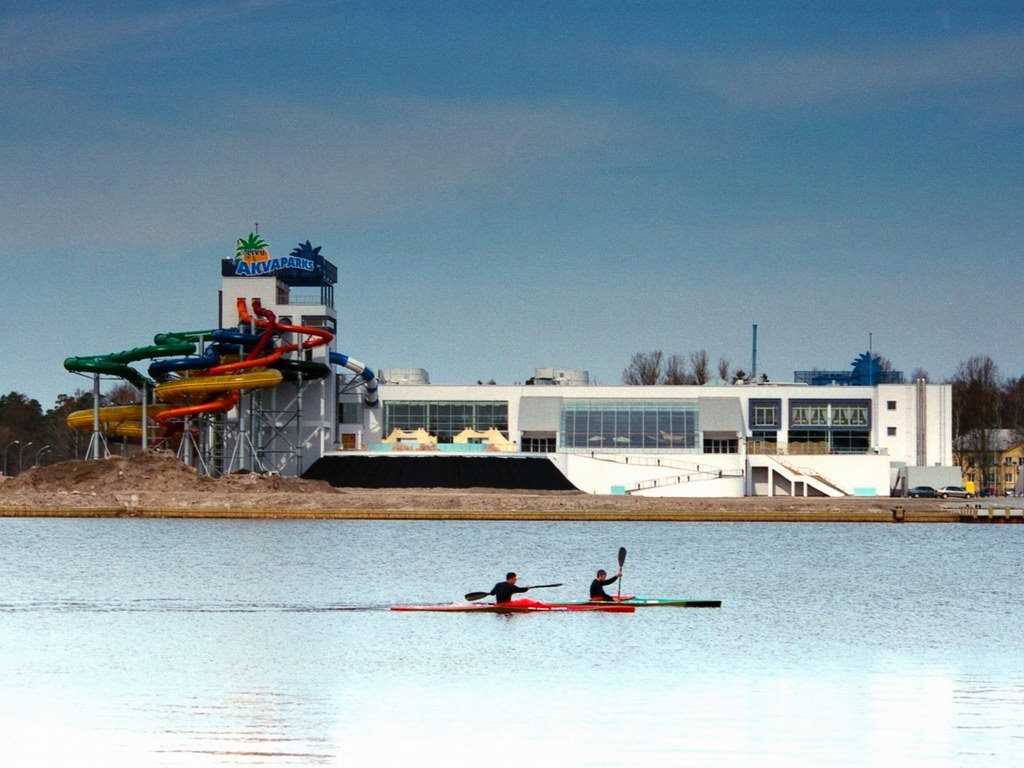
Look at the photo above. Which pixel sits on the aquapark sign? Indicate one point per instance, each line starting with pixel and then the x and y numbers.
pixel 253 259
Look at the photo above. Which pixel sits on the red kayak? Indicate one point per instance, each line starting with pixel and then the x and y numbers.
pixel 518 606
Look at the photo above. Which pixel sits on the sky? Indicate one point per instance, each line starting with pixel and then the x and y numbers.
pixel 505 186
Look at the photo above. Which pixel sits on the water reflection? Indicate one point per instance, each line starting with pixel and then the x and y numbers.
pixel 248 728
pixel 216 643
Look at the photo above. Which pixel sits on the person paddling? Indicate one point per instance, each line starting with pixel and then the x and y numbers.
pixel 504 590
pixel 597 585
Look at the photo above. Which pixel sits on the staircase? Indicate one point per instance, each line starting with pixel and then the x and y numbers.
pixel 813 483
pixel 688 471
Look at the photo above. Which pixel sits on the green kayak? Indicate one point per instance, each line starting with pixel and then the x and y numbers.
pixel 666 602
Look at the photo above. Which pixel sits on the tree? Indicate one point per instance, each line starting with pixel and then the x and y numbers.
pixel 723 368
pixel 675 370
pixel 123 394
pixel 21 421
pixel 977 401
pixel 919 373
pixel 1013 407
pixel 65 442
pixel 644 368
pixel 700 365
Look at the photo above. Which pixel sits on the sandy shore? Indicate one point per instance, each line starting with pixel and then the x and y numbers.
pixel 155 485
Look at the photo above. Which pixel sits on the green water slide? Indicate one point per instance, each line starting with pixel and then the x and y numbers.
pixel 117 363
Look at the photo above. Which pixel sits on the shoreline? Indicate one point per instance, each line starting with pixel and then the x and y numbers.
pixel 711 510
pixel 159 486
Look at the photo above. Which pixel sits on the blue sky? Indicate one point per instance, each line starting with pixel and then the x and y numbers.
pixel 506 186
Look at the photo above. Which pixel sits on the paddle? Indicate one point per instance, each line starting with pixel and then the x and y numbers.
pixel 622 560
pixel 478 595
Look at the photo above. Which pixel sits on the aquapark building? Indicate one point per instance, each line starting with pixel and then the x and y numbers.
pixel 267 390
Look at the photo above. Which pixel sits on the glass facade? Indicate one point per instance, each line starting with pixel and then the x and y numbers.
pixel 634 424
pixel 834 426
pixel 445 419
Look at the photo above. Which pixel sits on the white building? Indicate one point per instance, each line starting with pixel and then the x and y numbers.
pixel 744 439
pixel 329 414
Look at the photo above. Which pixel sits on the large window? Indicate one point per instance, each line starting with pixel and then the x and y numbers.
pixel 538 444
pixel 636 424
pixel 829 426
pixel 764 414
pixel 445 419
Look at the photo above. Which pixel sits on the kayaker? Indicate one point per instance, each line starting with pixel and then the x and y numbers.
pixel 504 590
pixel 597 585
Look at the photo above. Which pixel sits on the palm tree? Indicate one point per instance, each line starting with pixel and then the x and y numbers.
pixel 250 246
pixel 306 251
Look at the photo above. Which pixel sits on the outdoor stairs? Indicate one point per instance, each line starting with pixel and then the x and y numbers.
pixel 688 471
pixel 812 480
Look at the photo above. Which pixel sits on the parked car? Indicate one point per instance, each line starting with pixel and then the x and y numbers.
pixel 955 491
pixel 923 492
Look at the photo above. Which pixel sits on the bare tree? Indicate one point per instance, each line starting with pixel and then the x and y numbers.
pixel 1013 407
pixel 644 368
pixel 977 400
pixel 723 368
pixel 919 373
pixel 700 366
pixel 675 370
pixel 124 394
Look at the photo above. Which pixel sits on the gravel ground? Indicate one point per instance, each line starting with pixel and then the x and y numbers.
pixel 156 484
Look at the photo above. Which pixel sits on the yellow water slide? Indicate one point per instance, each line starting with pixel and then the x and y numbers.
pixel 126 420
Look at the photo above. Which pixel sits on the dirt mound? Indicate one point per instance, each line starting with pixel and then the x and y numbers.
pixel 151 472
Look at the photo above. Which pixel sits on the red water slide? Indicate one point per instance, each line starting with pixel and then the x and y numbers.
pixel 226 374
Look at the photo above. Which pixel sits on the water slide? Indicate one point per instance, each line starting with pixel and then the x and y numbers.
pixel 124 420
pixel 212 390
pixel 366 374
pixel 218 387
pixel 186 383
pixel 320 336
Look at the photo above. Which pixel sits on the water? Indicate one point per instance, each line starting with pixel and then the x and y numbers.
pixel 209 643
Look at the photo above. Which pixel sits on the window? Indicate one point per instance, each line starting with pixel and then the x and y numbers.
pixel 1008 477
pixel 891 431
pixel 721 445
pixel 764 413
pixel 445 419
pixel 350 413
pixel 891 405
pixel 830 426
pixel 538 444
pixel 635 424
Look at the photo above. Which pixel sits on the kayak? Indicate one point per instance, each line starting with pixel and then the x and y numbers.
pixel 653 602
pixel 519 606
pixel 676 602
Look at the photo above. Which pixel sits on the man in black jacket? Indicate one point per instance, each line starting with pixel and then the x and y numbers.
pixel 597 585
pixel 504 590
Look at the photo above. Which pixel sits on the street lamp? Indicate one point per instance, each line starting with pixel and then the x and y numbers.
pixel 40 452
pixel 21 453
pixel 13 442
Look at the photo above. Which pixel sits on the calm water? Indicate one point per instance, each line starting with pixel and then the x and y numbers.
pixel 205 643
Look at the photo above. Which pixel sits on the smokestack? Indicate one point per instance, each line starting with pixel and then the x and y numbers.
pixel 753 364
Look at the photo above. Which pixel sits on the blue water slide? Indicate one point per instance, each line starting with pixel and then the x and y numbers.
pixel 227 342
pixel 360 370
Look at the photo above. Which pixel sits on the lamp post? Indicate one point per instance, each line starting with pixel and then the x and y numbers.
pixel 13 442
pixel 40 452
pixel 21 453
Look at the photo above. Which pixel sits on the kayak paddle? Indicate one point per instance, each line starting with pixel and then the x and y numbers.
pixel 478 595
pixel 622 560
